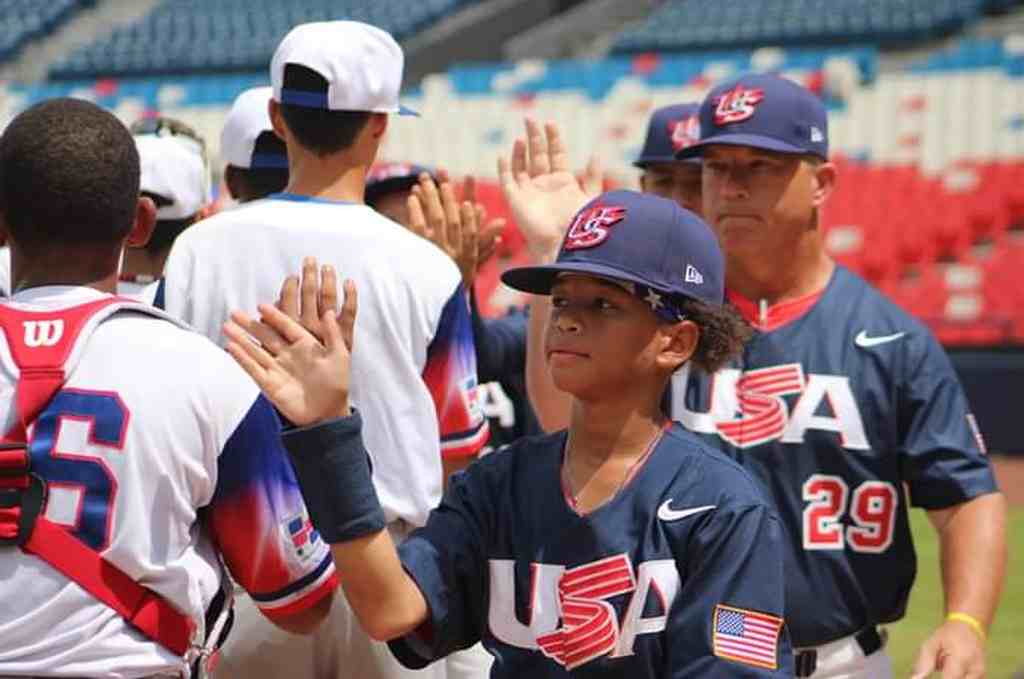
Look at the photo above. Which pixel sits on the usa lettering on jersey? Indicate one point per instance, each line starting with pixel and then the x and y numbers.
pixel 748 409
pixel 591 627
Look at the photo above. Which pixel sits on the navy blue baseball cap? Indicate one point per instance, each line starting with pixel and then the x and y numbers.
pixel 766 112
pixel 385 178
pixel 671 129
pixel 657 249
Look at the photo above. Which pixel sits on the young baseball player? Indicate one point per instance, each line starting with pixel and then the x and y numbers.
pixel 334 86
pixel 670 130
pixel 256 161
pixel 136 456
pixel 176 177
pixel 843 405
pixel 619 548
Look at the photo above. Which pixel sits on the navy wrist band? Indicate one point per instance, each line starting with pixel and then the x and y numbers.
pixel 333 470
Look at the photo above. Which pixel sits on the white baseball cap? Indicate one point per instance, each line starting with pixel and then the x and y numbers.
pixel 246 121
pixel 173 167
pixel 362 65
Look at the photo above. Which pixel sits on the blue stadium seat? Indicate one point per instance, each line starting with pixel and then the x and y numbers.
pixel 22 21
pixel 695 24
pixel 192 36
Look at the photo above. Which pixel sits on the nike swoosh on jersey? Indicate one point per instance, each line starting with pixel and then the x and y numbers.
pixel 862 339
pixel 666 513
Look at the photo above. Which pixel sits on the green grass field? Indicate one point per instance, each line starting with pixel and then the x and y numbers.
pixel 1006 640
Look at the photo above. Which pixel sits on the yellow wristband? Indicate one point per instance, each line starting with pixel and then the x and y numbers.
pixel 970 621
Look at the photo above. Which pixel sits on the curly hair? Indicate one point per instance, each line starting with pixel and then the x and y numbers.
pixel 723 332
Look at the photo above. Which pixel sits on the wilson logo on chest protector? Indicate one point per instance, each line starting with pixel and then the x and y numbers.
pixel 45 333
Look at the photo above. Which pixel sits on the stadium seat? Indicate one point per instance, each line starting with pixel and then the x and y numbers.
pixel 192 36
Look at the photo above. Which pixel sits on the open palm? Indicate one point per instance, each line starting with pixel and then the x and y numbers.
pixel 541 191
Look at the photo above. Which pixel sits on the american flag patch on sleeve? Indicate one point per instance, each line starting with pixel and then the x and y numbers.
pixel 746 636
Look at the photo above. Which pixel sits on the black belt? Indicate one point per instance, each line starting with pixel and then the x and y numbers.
pixel 868 639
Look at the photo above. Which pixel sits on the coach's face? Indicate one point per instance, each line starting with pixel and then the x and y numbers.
pixel 761 202
pixel 600 339
pixel 678 181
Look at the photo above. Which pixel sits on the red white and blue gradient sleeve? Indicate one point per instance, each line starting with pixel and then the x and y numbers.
pixel 260 524
pixel 450 375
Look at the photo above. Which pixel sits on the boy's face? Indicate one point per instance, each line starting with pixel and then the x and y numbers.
pixel 601 339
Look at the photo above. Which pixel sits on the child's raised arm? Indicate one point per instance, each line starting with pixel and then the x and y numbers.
pixel 308 381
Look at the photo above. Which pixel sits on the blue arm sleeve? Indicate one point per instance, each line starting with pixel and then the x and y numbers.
pixel 942 450
pixel 447 560
pixel 500 344
pixel 728 617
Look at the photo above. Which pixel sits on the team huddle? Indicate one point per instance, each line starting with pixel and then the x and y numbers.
pixel 254 443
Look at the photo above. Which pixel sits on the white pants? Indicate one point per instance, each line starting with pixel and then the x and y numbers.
pixel 338 649
pixel 844 659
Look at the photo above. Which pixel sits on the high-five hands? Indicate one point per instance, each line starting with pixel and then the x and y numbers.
pixel 299 352
pixel 461 230
pixel 540 188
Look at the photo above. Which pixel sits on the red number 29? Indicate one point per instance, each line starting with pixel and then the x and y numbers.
pixel 872 509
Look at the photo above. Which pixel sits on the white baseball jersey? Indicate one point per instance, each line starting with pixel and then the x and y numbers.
pixel 140 290
pixel 414 364
pixel 160 454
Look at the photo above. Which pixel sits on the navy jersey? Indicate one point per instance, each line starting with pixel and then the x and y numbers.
pixel 678 575
pixel 840 410
pixel 501 366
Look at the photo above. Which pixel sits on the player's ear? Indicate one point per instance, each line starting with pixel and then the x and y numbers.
pixel 678 344
pixel 643 182
pixel 277 120
pixel 824 177
pixel 377 125
pixel 145 222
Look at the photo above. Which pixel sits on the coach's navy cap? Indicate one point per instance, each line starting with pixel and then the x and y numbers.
pixel 671 129
pixel 766 112
pixel 648 243
pixel 385 178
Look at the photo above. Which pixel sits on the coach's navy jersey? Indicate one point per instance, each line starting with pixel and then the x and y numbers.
pixel 678 575
pixel 836 410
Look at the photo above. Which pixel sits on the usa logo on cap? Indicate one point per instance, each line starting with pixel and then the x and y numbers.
pixel 684 132
pixel 737 104
pixel 591 227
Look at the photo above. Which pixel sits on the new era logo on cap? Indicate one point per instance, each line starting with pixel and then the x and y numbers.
pixel 737 104
pixel 692 275
pixel 590 228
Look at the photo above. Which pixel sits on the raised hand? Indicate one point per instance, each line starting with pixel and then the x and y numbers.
pixel 306 379
pixel 540 188
pixel 436 214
